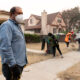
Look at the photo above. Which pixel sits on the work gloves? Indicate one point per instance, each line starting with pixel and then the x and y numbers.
pixel 16 72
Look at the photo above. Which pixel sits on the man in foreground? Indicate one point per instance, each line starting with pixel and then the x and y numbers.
pixel 12 45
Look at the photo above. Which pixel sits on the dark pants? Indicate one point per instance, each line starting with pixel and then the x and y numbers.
pixel 8 74
pixel 67 43
pixel 54 50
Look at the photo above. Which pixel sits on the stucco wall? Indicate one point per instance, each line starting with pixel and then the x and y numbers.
pixel 34 21
pixel 51 29
pixel 56 20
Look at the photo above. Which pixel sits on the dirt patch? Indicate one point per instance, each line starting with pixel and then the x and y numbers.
pixel 64 49
pixel 36 46
pixel 72 73
pixel 34 58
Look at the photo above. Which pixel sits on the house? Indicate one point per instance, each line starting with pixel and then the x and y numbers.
pixel 45 23
pixel 4 15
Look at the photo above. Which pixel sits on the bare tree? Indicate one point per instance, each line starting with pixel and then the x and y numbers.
pixel 70 17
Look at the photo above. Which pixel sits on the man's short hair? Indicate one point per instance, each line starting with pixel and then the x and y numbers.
pixel 12 10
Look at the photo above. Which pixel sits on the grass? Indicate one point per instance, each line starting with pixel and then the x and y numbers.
pixel 64 49
pixel 34 58
pixel 72 73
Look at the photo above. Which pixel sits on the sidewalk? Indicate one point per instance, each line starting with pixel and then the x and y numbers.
pixel 35 51
pixel 47 70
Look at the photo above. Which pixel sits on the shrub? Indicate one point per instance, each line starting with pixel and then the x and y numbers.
pixel 32 38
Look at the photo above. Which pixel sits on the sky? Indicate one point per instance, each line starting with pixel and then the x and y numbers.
pixel 37 6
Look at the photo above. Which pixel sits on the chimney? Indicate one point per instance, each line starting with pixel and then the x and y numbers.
pixel 44 23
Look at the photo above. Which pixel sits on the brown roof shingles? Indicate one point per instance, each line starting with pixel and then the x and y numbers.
pixel 51 17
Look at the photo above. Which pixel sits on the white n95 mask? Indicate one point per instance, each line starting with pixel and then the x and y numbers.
pixel 19 18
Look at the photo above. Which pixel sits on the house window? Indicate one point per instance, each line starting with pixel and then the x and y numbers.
pixel 59 20
pixel 31 21
pixel 54 30
pixel 37 30
pixel 59 30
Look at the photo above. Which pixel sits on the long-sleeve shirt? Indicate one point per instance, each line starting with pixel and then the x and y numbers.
pixel 12 44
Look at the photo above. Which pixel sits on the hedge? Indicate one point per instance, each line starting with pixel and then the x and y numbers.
pixel 32 38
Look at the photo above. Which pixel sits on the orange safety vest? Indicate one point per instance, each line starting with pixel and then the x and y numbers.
pixel 67 37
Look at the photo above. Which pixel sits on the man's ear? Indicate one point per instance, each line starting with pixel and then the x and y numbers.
pixel 12 16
